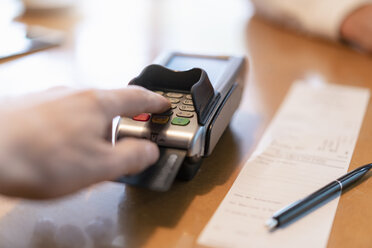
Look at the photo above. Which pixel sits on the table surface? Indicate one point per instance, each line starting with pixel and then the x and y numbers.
pixel 109 42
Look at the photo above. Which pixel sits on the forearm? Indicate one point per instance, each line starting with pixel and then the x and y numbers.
pixel 318 17
pixel 357 28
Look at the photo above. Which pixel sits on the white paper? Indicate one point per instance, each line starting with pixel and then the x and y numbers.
pixel 308 144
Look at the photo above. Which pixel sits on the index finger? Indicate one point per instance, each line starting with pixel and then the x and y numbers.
pixel 132 101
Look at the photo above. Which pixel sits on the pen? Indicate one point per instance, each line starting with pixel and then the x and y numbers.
pixel 293 210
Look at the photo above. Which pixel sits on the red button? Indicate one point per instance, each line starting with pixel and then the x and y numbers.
pixel 142 117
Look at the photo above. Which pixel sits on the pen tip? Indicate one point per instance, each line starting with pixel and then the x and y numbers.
pixel 271 223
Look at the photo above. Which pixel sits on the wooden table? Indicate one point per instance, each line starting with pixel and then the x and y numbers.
pixel 108 43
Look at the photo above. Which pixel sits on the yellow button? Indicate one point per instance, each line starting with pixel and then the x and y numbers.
pixel 160 119
pixel 179 121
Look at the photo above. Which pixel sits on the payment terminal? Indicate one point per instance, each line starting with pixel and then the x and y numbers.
pixel 204 92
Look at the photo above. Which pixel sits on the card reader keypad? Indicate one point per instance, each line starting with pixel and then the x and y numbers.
pixel 180 114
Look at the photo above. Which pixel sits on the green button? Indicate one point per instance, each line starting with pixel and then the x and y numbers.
pixel 180 121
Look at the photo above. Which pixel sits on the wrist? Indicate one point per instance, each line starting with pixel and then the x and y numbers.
pixel 357 28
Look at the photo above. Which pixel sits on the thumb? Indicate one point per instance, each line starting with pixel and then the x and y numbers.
pixel 131 156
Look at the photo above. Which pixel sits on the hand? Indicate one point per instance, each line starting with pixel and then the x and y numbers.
pixel 53 143
pixel 357 28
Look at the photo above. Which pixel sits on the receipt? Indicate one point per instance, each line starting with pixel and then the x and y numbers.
pixel 309 143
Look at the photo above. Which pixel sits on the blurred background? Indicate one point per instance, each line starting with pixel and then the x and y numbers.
pixel 106 43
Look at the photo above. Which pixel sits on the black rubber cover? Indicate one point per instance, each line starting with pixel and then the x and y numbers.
pixel 194 81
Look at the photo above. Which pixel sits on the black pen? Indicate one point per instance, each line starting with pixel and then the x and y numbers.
pixel 293 210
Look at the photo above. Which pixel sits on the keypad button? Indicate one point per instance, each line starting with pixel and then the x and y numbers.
pixel 188 96
pixel 174 100
pixel 173 106
pixel 187 102
pixel 169 112
pixel 142 117
pixel 159 92
pixel 185 114
pixel 186 108
pixel 174 95
pixel 160 119
pixel 179 121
